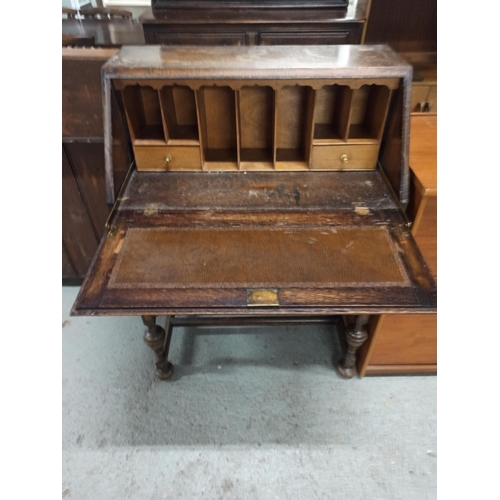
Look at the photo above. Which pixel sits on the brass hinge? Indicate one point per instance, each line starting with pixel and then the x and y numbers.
pixel 404 227
pixel 151 209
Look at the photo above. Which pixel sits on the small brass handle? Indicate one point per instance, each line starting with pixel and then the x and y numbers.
pixel 344 158
pixel 168 159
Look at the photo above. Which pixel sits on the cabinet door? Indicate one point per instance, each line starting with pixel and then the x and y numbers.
pixel 78 236
pixel 200 38
pixel 87 160
pixel 345 34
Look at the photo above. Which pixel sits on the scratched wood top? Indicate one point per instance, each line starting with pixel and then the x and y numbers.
pixel 218 62
pixel 257 191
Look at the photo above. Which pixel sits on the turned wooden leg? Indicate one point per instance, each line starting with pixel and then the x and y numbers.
pixel 355 335
pixel 159 341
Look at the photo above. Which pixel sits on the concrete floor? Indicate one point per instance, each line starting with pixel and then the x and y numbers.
pixel 251 414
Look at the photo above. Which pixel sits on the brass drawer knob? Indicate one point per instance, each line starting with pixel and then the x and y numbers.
pixel 344 158
pixel 168 159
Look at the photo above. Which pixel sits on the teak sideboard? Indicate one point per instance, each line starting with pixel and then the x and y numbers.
pixel 268 185
pixel 407 343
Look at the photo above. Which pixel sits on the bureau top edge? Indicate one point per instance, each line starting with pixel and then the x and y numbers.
pixel 253 62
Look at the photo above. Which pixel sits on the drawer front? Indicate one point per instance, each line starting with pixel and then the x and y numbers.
pixel 405 339
pixel 345 34
pixel 345 157
pixel 152 158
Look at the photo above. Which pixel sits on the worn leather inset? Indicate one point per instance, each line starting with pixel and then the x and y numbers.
pixel 257 257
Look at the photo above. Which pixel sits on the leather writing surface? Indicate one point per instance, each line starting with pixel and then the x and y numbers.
pixel 257 257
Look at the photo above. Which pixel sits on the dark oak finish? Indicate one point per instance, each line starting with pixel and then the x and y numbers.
pixel 255 23
pixel 233 216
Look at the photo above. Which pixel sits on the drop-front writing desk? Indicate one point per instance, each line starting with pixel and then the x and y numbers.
pixel 269 184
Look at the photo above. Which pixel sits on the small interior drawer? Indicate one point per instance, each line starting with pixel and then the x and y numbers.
pixel 154 158
pixel 345 157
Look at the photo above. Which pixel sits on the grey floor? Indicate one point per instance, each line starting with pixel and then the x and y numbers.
pixel 251 414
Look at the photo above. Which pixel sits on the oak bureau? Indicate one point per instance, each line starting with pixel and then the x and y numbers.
pixel 269 185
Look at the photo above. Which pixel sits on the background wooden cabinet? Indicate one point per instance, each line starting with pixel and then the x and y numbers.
pixel 298 23
pixel 305 34
pixel 84 207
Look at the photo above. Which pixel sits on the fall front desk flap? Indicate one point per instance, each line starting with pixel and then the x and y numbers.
pixel 269 178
